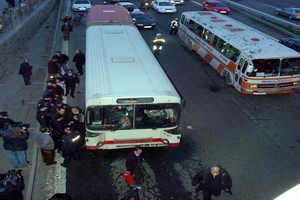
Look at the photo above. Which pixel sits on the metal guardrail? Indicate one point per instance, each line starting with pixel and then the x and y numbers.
pixel 274 22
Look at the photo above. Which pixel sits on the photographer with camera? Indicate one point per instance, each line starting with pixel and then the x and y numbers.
pixel 15 138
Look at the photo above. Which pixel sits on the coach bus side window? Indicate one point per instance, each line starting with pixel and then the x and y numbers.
pixel 245 66
pixel 232 53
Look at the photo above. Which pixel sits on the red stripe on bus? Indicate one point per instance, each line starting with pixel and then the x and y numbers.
pixel 231 66
pixel 208 58
pixel 133 141
pixel 220 68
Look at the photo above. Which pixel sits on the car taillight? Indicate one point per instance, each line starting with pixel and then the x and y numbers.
pixel 298 15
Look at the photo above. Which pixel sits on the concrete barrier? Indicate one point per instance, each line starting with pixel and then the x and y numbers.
pixel 270 20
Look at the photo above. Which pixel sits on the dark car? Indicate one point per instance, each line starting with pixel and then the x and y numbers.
pixel 293 43
pixel 141 20
pixel 216 6
pixel 291 13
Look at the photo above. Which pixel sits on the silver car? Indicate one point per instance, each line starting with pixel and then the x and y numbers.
pixel 291 13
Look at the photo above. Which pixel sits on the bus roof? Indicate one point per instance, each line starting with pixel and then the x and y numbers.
pixel 108 14
pixel 119 64
pixel 247 39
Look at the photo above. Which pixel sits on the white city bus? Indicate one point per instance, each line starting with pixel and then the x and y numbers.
pixel 129 99
pixel 251 61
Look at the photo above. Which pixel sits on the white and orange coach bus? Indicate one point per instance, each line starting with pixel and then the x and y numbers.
pixel 251 61
pixel 130 100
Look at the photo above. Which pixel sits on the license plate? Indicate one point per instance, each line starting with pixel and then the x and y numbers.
pixel 168 10
pixel 147 26
pixel 223 12
pixel 82 8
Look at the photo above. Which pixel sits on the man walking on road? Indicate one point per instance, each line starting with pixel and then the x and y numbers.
pixel 71 80
pixel 25 71
pixel 66 29
pixel 79 59
pixel 212 181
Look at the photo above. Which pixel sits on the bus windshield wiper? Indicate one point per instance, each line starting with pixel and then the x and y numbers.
pixel 118 126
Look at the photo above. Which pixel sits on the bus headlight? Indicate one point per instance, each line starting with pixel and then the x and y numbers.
pixel 295 83
pixel 253 86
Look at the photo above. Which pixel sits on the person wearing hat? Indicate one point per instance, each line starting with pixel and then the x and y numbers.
pixel 26 72
pixel 70 146
pixel 174 26
pixel 71 80
pixel 43 110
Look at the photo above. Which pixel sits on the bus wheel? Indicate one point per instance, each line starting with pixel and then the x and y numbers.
pixel 190 45
pixel 228 78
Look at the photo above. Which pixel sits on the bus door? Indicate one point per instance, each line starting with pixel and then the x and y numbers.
pixel 240 71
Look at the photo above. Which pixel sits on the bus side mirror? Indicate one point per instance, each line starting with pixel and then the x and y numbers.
pixel 249 68
pixel 182 103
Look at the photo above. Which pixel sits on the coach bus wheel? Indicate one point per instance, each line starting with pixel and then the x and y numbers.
pixel 190 45
pixel 228 77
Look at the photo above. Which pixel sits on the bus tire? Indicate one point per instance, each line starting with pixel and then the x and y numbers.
pixel 228 78
pixel 190 45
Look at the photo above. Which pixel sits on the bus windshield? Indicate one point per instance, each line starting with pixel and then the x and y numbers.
pixel 121 117
pixel 274 67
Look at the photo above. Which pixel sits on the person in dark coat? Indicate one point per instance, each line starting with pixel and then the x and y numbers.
pixel 57 90
pixel 4 119
pixel 66 29
pixel 79 59
pixel 71 80
pixel 62 61
pixel 57 125
pixel 212 181
pixel 43 110
pixel 53 67
pixel 133 163
pixel 70 147
pixel 26 72
pixel 15 143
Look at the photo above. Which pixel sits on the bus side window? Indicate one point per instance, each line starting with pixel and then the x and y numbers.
pixel 192 25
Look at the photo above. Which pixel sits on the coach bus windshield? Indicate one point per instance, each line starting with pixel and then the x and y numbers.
pixel 275 67
pixel 122 117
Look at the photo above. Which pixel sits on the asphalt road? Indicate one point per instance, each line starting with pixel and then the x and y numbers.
pixel 254 137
